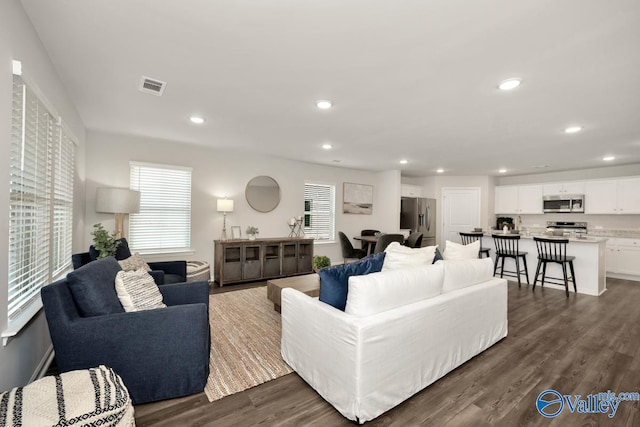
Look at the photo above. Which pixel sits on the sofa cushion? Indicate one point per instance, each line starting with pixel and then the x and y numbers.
pixel 378 292
pixel 401 257
pixel 460 273
pixel 134 262
pixel 93 289
pixel 137 291
pixel 455 250
pixel 334 280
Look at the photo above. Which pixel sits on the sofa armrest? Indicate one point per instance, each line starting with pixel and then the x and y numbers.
pixel 185 293
pixel 146 348
pixel 171 267
pixel 315 336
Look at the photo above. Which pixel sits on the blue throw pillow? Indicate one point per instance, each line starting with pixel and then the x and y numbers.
pixel 437 256
pixel 334 281
pixel 93 287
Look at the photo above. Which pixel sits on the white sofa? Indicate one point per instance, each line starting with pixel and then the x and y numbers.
pixel 401 331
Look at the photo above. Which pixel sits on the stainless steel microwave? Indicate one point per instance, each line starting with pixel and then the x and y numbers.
pixel 563 203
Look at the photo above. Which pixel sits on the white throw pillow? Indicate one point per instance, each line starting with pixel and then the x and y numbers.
pixel 455 250
pixel 377 292
pixel 137 291
pixel 134 262
pixel 460 273
pixel 399 257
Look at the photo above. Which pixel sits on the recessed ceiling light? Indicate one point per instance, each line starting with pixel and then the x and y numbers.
pixel 573 129
pixel 336 161
pixel 404 161
pixel 608 158
pixel 502 171
pixel 440 170
pixel 324 104
pixel 196 120
pixel 509 84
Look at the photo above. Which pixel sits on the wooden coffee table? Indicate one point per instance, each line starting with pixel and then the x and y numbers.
pixel 308 284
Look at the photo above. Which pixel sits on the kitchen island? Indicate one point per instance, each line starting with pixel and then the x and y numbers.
pixel 589 263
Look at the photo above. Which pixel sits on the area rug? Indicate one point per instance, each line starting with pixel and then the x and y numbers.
pixel 245 342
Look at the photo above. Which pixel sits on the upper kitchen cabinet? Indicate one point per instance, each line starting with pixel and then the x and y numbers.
pixel 557 188
pixel 615 196
pixel 520 199
pixel 408 190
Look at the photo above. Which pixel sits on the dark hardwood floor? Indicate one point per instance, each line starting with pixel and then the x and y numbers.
pixel 576 345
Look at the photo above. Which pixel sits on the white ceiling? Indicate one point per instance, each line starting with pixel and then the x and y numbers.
pixel 412 79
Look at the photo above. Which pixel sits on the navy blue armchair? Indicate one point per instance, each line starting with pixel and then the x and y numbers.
pixel 163 272
pixel 160 354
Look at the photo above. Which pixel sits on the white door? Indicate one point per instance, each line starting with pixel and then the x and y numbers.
pixel 460 212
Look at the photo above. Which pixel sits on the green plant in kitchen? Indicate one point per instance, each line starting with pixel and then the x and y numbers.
pixel 252 231
pixel 320 262
pixel 105 243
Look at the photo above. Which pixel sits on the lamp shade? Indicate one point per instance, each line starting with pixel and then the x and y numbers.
pixel 117 200
pixel 225 205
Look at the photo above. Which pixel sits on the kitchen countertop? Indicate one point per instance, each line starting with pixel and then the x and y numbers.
pixel 588 239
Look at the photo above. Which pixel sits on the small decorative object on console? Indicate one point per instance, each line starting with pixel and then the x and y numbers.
pixel 252 231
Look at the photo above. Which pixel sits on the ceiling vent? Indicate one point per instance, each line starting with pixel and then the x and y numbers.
pixel 153 86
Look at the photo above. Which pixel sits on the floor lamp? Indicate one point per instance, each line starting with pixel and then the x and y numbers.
pixel 224 206
pixel 118 201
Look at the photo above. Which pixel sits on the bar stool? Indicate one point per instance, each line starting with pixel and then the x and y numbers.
pixel 468 238
pixel 507 246
pixel 554 250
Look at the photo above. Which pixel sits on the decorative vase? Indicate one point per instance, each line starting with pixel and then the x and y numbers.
pixel 252 237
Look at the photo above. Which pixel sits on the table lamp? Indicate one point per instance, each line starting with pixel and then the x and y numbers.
pixel 224 206
pixel 118 201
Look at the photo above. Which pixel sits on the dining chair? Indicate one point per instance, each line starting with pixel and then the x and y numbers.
pixel 348 251
pixel 385 239
pixel 414 240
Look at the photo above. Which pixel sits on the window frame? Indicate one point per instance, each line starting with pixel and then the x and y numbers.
pixel 144 219
pixel 331 213
pixel 37 259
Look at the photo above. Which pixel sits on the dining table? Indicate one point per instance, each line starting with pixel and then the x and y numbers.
pixel 369 241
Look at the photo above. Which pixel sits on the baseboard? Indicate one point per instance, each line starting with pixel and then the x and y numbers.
pixel 44 364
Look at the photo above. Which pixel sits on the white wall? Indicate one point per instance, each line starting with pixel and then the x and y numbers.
pixel 18 40
pixel 218 173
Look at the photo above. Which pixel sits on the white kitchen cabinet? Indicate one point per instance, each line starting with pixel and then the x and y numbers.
pixel 614 196
pixel 557 188
pixel 518 199
pixel 623 256
pixel 409 190
pixel 629 196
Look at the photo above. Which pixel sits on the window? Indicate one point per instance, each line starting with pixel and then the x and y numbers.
pixel 164 222
pixel 41 199
pixel 319 211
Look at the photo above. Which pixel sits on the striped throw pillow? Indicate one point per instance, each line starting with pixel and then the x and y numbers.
pixel 137 291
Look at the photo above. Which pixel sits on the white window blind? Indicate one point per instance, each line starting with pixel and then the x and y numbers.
pixel 164 221
pixel 41 198
pixel 319 211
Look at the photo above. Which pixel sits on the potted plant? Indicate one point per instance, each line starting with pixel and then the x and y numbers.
pixel 252 231
pixel 320 261
pixel 105 243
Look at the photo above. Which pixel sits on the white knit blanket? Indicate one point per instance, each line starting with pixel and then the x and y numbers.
pixel 95 396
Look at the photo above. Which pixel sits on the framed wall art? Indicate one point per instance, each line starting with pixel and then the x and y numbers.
pixel 357 198
pixel 236 232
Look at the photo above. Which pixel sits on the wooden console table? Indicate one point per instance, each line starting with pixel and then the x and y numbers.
pixel 244 260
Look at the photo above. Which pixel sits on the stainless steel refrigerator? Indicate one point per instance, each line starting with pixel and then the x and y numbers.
pixel 419 214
